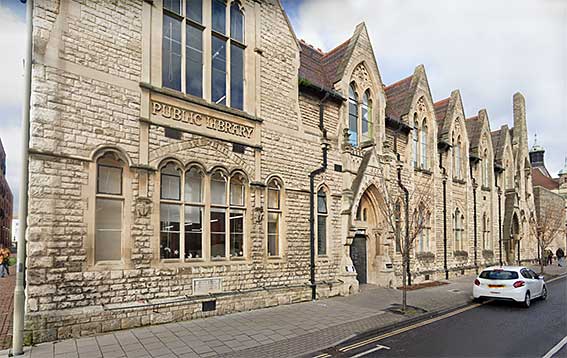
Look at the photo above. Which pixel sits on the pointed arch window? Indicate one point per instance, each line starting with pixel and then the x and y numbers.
pixel 485 169
pixel 353 115
pixel 458 159
pixel 366 108
pixel 424 145
pixel 322 214
pixel 415 141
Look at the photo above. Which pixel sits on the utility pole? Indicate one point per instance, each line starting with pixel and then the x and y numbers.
pixel 19 290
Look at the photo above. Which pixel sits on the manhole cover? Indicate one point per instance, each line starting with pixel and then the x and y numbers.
pixel 455 291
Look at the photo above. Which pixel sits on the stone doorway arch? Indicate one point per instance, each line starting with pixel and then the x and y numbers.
pixel 513 242
pixel 370 250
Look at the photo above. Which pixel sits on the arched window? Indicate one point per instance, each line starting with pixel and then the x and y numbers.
pixel 423 227
pixel 353 115
pixel 415 138
pixel 218 215
pixel 366 117
pixel 183 209
pixel 322 214
pixel 170 211
pixel 184 23
pixel 193 213
pixel 237 214
pixel 458 220
pixel 274 217
pixel 424 145
pixel 458 159
pixel 485 169
pixel 109 208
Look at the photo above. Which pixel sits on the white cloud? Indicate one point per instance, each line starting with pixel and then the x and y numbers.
pixel 12 42
pixel 488 49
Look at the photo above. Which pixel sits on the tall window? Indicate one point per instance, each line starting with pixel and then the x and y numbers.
pixel 366 117
pixel 415 139
pixel 485 169
pixel 322 214
pixel 458 159
pixel 170 212
pixel 109 209
pixel 182 49
pixel 458 219
pixel 194 207
pixel 183 208
pixel 237 215
pixel 424 145
pixel 218 214
pixel 423 235
pixel 353 115
pixel 274 217
pixel 486 242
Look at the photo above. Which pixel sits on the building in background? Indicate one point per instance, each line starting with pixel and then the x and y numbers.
pixel 549 185
pixel 6 202
pixel 171 155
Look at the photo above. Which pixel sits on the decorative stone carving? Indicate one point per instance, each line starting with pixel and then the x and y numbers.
pixel 361 76
pixel 143 206
pixel 258 214
pixel 421 104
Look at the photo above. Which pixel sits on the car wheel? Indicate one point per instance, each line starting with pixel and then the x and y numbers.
pixel 544 293
pixel 527 300
pixel 477 299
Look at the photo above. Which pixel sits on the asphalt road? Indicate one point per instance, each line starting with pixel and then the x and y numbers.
pixel 495 329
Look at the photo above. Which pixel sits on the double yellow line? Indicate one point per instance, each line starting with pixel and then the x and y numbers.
pixel 413 326
pixel 401 330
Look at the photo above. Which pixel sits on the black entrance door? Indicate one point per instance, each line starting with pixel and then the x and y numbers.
pixel 358 256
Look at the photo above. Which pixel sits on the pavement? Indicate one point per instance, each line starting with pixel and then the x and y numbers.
pixel 282 331
pixel 6 308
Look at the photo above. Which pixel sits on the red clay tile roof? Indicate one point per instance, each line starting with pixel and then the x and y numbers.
pixel 398 98
pixel 441 108
pixel 540 179
pixel 322 69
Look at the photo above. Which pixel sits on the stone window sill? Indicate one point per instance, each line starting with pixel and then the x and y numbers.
pixel 459 181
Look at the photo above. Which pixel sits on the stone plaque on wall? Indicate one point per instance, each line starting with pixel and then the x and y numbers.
pixel 204 286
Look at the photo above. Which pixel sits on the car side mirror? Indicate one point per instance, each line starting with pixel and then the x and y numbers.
pixel 540 277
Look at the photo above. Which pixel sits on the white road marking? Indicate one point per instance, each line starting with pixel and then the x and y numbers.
pixel 378 347
pixel 556 348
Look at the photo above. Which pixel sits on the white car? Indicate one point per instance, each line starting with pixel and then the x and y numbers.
pixel 516 283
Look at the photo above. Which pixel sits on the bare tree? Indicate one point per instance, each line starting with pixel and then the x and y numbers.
pixel 404 211
pixel 548 227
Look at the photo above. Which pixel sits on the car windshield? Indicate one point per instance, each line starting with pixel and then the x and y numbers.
pixel 499 275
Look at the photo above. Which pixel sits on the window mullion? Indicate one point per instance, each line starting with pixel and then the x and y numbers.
pixel 182 218
pixel 228 53
pixel 207 50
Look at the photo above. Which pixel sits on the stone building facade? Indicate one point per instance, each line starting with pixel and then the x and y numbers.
pixel 6 203
pixel 172 148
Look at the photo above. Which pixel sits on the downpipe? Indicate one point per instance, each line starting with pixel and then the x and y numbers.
pixel 444 172
pixel 312 175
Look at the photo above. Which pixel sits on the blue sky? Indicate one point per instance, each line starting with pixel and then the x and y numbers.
pixel 488 49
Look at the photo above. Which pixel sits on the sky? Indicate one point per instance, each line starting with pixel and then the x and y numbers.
pixel 487 49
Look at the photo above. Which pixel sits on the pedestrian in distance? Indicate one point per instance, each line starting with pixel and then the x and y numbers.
pixel 4 258
pixel 560 257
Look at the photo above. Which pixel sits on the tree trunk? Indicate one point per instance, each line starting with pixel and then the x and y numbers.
pixel 404 285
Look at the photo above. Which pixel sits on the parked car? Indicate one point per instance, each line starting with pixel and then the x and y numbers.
pixel 513 283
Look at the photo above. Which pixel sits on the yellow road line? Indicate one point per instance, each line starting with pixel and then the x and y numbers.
pixel 324 355
pixel 408 328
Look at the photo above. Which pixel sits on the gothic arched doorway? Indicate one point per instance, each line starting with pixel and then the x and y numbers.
pixel 369 249
pixel 513 242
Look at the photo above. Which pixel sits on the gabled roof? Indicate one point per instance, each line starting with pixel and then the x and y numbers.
pixel 499 143
pixel 540 179
pixel 441 109
pixel 325 69
pixel 398 97
pixel 474 130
